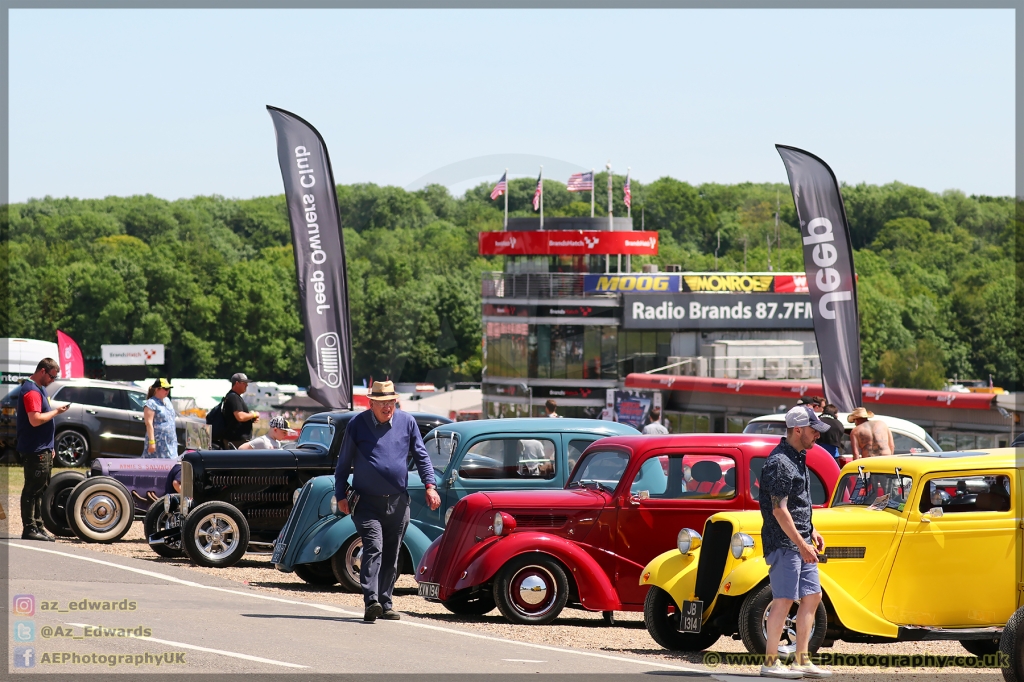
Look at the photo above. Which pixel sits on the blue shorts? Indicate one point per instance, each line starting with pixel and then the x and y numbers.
pixel 790 576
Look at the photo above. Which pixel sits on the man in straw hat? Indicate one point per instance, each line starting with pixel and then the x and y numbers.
pixel 869 438
pixel 377 446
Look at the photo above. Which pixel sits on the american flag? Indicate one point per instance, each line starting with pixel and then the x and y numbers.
pixel 500 188
pixel 581 182
pixel 628 199
pixel 536 194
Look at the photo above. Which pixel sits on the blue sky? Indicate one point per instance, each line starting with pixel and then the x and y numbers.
pixel 172 102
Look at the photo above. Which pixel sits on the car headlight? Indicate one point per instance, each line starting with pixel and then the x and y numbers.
pixel 503 523
pixel 295 496
pixel 742 545
pixel 334 504
pixel 687 540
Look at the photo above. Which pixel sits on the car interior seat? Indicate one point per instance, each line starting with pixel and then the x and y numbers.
pixel 729 488
pixel 992 501
pixel 707 478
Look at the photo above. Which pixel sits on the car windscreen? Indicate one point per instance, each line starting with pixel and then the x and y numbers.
pixel 602 467
pixel 440 446
pixel 873 489
pixel 313 432
pixel 770 428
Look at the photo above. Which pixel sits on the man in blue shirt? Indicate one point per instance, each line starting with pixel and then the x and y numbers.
pixel 376 451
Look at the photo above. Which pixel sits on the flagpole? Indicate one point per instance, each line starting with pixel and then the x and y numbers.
pixel 542 197
pixel 506 198
pixel 610 222
pixel 629 209
pixel 592 190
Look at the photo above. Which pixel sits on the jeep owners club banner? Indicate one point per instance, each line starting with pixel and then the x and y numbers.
pixel 319 257
pixel 828 264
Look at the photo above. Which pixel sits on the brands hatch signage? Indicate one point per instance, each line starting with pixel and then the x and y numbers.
pixel 567 243
pixel 508 311
pixel 794 283
pixel 150 354
pixel 715 311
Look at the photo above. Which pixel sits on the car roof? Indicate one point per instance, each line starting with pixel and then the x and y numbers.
pixel 346 415
pixel 892 422
pixel 100 383
pixel 921 463
pixel 599 427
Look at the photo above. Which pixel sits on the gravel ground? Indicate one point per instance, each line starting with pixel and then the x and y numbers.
pixel 575 628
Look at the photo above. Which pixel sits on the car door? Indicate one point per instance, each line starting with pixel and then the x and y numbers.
pixel 107 408
pixel 512 461
pixel 669 489
pixel 135 403
pixel 958 569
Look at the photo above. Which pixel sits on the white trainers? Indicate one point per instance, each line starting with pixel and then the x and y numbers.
pixel 812 671
pixel 780 671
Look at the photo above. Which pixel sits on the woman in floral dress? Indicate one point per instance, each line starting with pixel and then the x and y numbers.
pixel 161 437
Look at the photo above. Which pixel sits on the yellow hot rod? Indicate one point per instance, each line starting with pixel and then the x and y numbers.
pixel 918 547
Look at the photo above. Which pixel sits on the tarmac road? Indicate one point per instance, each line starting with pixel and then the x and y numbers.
pixel 61 597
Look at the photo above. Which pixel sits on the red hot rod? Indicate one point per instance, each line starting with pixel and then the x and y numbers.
pixel 531 553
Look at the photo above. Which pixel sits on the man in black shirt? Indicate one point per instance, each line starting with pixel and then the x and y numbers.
pixel 791 544
pixel 238 420
pixel 832 440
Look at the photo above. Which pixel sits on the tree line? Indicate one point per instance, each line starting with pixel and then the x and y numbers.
pixel 214 278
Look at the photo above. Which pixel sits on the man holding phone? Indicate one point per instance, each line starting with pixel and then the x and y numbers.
pixel 791 545
pixel 35 430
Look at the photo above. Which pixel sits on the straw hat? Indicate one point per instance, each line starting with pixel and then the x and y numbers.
pixel 382 390
pixel 860 413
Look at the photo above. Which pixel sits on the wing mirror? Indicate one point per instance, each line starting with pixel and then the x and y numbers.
pixel 933 513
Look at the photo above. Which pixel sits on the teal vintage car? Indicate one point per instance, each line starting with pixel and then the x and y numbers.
pixel 322 547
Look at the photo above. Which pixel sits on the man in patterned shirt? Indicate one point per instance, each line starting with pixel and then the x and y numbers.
pixel 791 545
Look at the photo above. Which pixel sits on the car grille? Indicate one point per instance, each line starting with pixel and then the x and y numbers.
pixel 296 512
pixel 143 483
pixel 248 480
pixel 540 521
pixel 260 497
pixel 447 552
pixel 714 553
pixel 845 552
pixel 279 513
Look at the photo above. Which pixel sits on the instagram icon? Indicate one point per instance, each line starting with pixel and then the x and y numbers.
pixel 24 605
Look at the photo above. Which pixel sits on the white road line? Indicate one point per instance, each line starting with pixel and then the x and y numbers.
pixel 521 660
pixel 335 609
pixel 221 652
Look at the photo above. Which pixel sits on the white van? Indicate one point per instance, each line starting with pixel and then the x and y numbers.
pixel 18 359
pixel 908 437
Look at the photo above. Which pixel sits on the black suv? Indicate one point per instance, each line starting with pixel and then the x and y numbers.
pixel 105 420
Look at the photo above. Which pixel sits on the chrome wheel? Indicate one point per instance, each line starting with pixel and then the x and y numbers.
pixel 532 591
pixel 216 535
pixel 100 512
pixel 71 449
pixel 354 559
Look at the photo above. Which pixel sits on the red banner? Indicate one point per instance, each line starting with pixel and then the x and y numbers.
pixel 568 243
pixel 796 389
pixel 72 364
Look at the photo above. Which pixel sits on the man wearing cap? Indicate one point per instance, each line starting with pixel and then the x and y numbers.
pixel 869 438
pixel 376 449
pixel 238 420
pixel 279 431
pixel 791 545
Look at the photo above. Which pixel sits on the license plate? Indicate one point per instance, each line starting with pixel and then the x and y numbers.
pixel 691 616
pixel 430 591
pixel 278 552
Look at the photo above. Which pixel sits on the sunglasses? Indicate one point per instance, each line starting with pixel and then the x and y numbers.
pixel 53 376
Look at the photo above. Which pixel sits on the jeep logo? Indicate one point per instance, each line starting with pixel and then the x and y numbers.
pixel 328 359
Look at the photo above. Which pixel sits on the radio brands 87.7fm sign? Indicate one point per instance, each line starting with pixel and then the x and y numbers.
pixel 716 311
pixel 791 283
